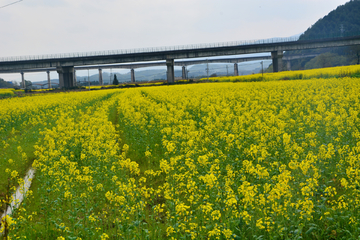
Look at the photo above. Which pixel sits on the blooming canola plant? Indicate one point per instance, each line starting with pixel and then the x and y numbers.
pixel 271 160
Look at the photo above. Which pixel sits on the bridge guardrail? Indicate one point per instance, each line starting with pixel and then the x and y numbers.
pixel 146 50
pixel 170 48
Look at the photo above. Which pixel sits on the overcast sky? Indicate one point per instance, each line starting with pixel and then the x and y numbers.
pixel 35 27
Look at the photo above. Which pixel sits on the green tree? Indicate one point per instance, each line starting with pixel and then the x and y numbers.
pixel 355 54
pixel 4 84
pixel 115 81
pixel 326 60
pixel 28 84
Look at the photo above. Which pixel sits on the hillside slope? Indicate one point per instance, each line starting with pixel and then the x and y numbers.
pixel 341 22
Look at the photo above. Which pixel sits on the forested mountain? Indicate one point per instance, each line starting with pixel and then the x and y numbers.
pixel 341 22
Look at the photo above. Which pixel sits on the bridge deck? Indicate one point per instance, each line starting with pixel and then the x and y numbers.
pixel 65 63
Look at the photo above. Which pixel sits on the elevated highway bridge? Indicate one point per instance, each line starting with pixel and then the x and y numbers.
pixel 65 64
pixel 180 63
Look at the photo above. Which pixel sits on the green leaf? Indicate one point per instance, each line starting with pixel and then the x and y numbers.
pixel 308 232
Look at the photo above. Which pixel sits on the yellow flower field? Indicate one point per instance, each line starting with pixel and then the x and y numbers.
pixel 6 92
pixel 265 160
pixel 332 72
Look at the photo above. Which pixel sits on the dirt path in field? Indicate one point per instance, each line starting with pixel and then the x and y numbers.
pixel 18 196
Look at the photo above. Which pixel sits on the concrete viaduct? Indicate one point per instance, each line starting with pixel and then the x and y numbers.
pixel 133 66
pixel 65 63
pixel 183 64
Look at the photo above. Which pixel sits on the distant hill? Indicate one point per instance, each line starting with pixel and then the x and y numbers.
pixel 224 69
pixel 144 75
pixel 341 22
pixel 140 76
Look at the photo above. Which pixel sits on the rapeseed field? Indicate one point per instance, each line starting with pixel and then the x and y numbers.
pixel 333 72
pixel 5 92
pixel 258 160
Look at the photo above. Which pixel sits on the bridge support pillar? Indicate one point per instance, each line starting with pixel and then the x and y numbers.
pixel 23 80
pixel 288 65
pixel 236 70
pixel 66 77
pixel 132 75
pixel 170 70
pixel 49 79
pixel 101 82
pixel 183 72
pixel 277 60
pixel 75 79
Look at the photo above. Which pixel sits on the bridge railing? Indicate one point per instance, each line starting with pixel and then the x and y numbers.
pixel 146 50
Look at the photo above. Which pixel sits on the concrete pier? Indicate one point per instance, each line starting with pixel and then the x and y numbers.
pixel 101 81
pixel 236 70
pixel 277 60
pixel 49 80
pixel 183 72
pixel 288 65
pixel 132 75
pixel 23 80
pixel 75 79
pixel 170 70
pixel 66 77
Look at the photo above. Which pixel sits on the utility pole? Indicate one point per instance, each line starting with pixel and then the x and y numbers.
pixel 207 69
pixel 227 70
pixel 110 83
pixel 89 79
pixel 262 69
